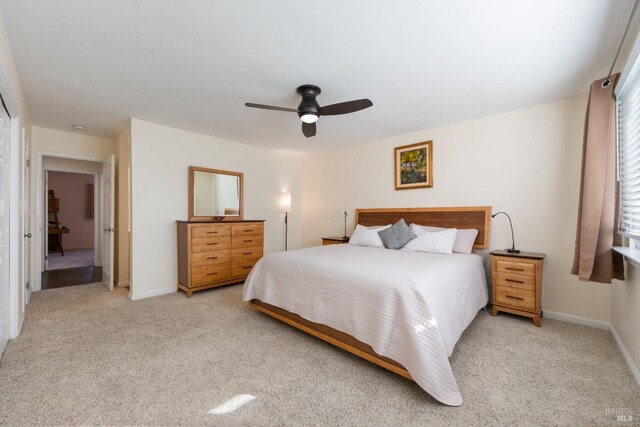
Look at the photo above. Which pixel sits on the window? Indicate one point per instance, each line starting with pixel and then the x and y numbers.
pixel 628 100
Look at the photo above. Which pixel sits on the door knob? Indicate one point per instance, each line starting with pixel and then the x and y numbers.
pixel 28 235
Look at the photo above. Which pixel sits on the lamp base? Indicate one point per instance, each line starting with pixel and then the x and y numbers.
pixel 345 237
pixel 513 251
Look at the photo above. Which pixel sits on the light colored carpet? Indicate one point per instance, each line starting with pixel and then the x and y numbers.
pixel 87 356
pixel 73 258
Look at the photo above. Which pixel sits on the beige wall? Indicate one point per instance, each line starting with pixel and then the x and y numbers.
pixel 525 162
pixel 160 158
pixel 123 209
pixel 73 192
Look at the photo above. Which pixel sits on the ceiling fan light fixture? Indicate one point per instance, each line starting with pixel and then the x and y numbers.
pixel 309 118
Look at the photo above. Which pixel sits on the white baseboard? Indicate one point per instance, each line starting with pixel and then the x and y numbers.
pixel 570 318
pixel 155 293
pixel 632 367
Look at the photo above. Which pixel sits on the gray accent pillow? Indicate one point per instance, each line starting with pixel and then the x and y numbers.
pixel 396 236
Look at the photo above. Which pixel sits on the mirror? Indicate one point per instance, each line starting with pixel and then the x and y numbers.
pixel 214 193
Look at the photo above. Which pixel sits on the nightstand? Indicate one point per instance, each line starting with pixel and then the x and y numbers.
pixel 334 240
pixel 517 283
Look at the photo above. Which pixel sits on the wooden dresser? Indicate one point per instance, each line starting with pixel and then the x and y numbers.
pixel 517 283
pixel 212 254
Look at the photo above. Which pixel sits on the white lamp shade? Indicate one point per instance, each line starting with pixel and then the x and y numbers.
pixel 285 202
pixel 309 118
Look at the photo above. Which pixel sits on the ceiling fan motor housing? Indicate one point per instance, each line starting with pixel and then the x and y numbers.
pixel 308 105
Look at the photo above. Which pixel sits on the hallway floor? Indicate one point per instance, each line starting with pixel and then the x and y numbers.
pixel 72 259
pixel 71 277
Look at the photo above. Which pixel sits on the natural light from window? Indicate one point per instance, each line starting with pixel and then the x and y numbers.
pixel 233 404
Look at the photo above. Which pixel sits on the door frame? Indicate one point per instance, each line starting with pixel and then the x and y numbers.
pixel 25 215
pixel 40 205
pixel 15 237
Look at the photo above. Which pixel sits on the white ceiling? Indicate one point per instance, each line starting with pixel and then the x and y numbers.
pixel 192 64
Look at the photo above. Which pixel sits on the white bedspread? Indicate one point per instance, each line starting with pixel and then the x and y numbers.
pixel 409 306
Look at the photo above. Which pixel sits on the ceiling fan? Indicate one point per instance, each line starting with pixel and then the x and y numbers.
pixel 309 111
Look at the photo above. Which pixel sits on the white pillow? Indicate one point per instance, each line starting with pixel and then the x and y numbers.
pixel 464 239
pixel 368 236
pixel 436 242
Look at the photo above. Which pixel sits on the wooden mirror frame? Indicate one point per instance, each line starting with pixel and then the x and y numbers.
pixel 192 217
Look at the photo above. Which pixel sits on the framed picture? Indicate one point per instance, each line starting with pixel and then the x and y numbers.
pixel 414 166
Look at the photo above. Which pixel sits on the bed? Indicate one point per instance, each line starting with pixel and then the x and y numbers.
pixel 401 310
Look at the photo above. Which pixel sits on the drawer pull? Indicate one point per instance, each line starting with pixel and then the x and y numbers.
pixel 212 257
pixel 247 268
pixel 247 253
pixel 246 231
pixel 514 269
pixel 212 244
pixel 514 281
pixel 518 298
pixel 212 232
pixel 247 241
pixel 212 274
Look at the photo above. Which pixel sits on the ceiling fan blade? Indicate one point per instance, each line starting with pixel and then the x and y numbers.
pixel 309 129
pixel 345 107
pixel 270 107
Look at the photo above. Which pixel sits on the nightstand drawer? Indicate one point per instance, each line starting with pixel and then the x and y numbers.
pixel 519 281
pixel 516 298
pixel 516 267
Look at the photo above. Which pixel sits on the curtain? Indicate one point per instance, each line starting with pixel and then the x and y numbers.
pixel 594 260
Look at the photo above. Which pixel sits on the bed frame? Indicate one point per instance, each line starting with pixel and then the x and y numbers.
pixel 477 217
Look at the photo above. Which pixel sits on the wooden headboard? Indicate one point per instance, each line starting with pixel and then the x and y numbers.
pixel 477 217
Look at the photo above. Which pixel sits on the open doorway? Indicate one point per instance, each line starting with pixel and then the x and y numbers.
pixel 102 269
pixel 70 220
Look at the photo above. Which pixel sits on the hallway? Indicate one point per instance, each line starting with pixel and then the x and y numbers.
pixel 71 277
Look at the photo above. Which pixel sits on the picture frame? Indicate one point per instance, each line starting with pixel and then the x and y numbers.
pixel 414 166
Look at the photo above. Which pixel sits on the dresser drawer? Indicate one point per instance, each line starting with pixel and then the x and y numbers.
pixel 199 259
pixel 516 298
pixel 247 230
pixel 242 268
pixel 245 254
pixel 516 267
pixel 511 280
pixel 210 230
pixel 209 273
pixel 205 244
pixel 246 241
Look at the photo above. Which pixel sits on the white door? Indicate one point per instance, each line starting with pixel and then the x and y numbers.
pixel 26 223
pixel 45 249
pixel 4 228
pixel 108 216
